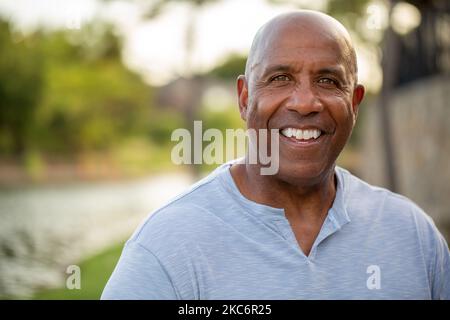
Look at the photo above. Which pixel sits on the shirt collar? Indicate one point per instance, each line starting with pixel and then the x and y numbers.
pixel 338 211
pixel 337 214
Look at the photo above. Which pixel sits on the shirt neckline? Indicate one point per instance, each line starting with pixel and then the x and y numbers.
pixel 337 214
pixel 263 210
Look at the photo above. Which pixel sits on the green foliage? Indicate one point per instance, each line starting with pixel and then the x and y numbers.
pixel 340 7
pixel 160 128
pixel 348 12
pixel 222 120
pixel 230 69
pixel 92 100
pixel 21 87
pixel 67 93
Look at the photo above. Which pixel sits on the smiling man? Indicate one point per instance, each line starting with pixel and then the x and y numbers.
pixel 310 231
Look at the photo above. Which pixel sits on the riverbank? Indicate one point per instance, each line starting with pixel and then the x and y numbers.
pixel 46 229
pixel 35 169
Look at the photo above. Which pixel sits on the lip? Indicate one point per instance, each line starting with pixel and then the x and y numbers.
pixel 304 144
pixel 309 127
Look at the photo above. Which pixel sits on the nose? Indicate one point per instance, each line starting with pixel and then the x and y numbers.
pixel 304 100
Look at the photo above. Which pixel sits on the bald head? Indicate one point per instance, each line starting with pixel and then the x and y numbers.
pixel 300 23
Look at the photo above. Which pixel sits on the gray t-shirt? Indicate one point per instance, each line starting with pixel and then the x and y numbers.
pixel 213 243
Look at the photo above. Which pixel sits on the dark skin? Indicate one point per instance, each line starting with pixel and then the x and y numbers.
pixel 301 73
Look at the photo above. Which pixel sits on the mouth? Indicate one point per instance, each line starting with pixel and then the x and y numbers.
pixel 302 137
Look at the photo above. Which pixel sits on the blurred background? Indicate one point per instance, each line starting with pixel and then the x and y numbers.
pixel 91 90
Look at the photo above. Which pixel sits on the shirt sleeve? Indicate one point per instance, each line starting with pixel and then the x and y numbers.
pixel 441 279
pixel 139 275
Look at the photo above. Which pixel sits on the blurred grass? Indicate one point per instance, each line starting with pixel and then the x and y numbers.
pixel 95 272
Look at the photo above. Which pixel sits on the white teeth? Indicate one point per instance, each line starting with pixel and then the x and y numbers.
pixel 287 132
pixel 316 134
pixel 301 134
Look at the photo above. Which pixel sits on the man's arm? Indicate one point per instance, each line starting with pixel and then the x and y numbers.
pixel 139 275
pixel 441 276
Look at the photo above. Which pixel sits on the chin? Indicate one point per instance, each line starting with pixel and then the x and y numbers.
pixel 303 173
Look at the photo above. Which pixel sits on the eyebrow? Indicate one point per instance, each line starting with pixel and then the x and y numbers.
pixel 331 70
pixel 288 68
pixel 276 68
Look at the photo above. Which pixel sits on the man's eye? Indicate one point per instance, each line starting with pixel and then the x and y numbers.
pixel 328 81
pixel 280 77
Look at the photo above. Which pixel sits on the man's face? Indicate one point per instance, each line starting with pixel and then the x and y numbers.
pixel 302 83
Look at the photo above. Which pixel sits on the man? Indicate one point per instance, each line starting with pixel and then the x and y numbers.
pixel 310 231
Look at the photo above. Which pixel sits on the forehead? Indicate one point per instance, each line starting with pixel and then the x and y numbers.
pixel 297 45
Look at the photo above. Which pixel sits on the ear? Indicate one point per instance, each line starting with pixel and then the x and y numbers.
pixel 242 91
pixel 358 95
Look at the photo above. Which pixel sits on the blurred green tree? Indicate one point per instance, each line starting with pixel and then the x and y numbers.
pixel 91 101
pixel 21 88
pixel 230 68
pixel 66 93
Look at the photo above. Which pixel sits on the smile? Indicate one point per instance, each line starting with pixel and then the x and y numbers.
pixel 301 135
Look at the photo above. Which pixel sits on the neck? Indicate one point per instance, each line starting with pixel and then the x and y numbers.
pixel 306 201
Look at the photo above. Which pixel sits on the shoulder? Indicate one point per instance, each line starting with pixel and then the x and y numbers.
pixel 401 227
pixel 185 218
pixel 381 205
pixel 360 194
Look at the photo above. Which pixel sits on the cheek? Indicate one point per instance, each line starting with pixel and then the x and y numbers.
pixel 261 109
pixel 340 109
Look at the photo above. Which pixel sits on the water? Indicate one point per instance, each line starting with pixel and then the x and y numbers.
pixel 43 230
